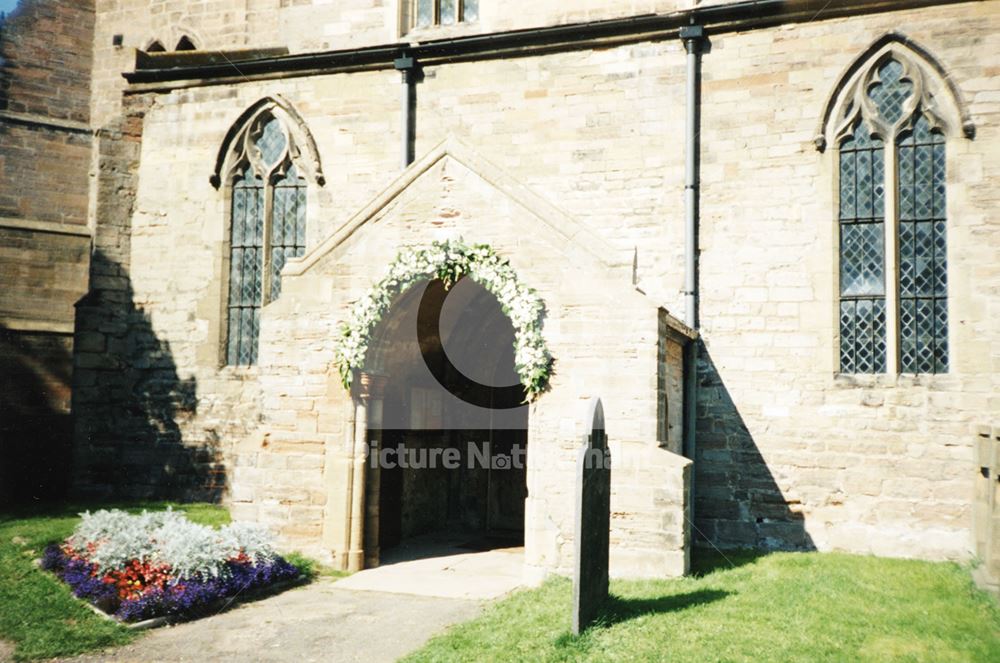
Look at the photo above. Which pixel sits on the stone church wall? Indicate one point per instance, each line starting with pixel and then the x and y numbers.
pixel 45 148
pixel 304 26
pixel 790 455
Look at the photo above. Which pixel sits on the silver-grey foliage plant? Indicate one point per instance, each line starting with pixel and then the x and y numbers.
pixel 112 538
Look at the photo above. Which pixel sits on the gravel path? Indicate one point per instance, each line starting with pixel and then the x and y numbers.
pixel 318 622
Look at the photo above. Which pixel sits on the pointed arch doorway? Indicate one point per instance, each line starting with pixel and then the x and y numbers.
pixel 448 443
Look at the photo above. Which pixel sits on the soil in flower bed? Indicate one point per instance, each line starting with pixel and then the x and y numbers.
pixel 156 596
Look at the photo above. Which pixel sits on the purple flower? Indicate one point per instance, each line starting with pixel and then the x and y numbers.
pixel 198 596
pixel 53 559
pixel 184 598
pixel 80 576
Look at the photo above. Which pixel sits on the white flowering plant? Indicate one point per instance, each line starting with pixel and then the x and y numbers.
pixel 113 539
pixel 449 261
pixel 139 566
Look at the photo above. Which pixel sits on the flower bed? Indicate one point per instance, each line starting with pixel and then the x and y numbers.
pixel 159 564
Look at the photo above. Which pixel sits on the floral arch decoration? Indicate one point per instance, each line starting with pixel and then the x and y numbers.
pixel 450 261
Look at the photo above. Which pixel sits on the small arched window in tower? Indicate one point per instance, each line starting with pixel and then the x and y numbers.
pixel 155 47
pixel 892 218
pixel 268 226
pixel 185 44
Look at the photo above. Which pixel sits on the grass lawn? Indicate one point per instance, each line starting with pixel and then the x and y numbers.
pixel 779 607
pixel 37 611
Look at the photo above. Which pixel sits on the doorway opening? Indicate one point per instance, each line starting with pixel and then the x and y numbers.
pixel 451 468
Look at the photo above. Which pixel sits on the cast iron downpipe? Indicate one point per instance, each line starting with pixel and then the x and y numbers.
pixel 407 66
pixel 692 36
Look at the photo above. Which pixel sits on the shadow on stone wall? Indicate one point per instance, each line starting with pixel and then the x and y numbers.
pixel 35 429
pixel 737 502
pixel 130 405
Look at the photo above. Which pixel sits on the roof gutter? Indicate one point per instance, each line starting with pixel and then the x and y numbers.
pixel 192 69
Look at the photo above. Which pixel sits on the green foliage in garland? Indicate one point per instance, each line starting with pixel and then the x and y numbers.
pixel 450 261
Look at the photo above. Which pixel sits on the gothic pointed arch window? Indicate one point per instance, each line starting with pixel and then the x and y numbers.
pixel 895 111
pixel 267 227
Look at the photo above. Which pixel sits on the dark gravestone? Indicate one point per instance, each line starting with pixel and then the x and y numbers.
pixel 593 521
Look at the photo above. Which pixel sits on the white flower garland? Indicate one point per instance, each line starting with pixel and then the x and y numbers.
pixel 449 261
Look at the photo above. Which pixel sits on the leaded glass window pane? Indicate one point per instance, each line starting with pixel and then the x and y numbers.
pixel 272 142
pixel 449 11
pixel 445 12
pixel 425 13
pixel 262 238
pixel 470 11
pixel 862 253
pixel 923 251
pixel 288 230
pixel 862 335
pixel 891 91
pixel 246 266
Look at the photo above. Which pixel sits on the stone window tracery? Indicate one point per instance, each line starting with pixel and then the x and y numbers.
pixel 893 308
pixel 268 226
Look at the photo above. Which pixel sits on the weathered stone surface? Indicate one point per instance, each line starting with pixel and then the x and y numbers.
pixel 986 507
pixel 45 145
pixel 789 454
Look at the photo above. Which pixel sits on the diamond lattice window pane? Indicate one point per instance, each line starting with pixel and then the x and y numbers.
pixel 284 222
pixel 923 263
pixel 289 225
pixel 239 214
pixel 878 184
pixel 862 259
pixel 940 335
pixel 847 341
pixel 878 336
pixel 232 346
pixel 923 188
pixel 279 215
pixel 907 339
pixel 862 253
pixel 271 142
pixel 277 262
pixel 245 348
pixel 245 268
pixel 848 203
pixel 865 184
pixel 891 91
pixel 940 260
pixel 905 156
pixel 862 336
pixel 300 221
pixel 235 275
pixel 939 179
